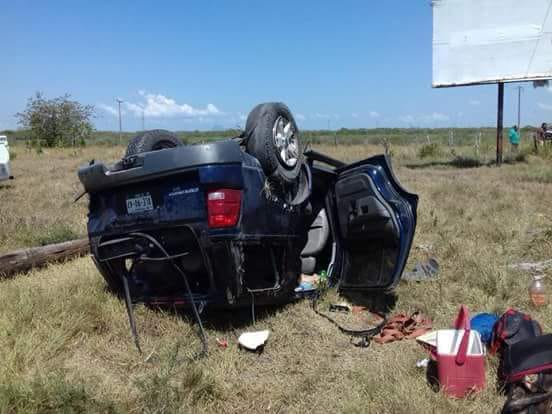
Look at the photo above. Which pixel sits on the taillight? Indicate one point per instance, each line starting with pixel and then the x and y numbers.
pixel 223 207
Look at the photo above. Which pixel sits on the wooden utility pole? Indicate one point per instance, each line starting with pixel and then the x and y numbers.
pixel 25 259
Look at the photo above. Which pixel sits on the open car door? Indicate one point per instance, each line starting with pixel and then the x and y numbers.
pixel 376 219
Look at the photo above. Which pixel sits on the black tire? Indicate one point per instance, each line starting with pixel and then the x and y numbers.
pixel 153 140
pixel 260 141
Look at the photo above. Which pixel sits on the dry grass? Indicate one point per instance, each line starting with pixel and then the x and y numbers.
pixel 37 207
pixel 65 343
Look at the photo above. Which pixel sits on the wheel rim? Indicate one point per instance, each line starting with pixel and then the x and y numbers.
pixel 285 141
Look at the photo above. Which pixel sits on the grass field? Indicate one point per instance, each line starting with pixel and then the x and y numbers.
pixel 66 346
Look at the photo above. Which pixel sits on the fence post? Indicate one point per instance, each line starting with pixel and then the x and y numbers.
pixel 451 138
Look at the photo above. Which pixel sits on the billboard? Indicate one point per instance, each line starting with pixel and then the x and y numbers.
pixel 489 41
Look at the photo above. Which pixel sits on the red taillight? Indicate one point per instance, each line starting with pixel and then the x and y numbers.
pixel 223 207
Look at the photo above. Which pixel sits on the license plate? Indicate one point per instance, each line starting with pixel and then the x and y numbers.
pixel 139 204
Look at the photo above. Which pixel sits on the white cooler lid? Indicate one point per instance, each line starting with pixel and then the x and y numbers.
pixel 448 342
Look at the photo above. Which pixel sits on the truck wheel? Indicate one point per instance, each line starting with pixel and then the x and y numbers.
pixel 153 140
pixel 273 138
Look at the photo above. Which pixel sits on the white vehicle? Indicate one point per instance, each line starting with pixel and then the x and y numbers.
pixel 5 173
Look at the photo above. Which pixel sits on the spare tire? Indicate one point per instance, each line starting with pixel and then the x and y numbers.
pixel 273 138
pixel 153 140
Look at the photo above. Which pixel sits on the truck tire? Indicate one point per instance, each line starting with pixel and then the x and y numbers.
pixel 153 140
pixel 273 138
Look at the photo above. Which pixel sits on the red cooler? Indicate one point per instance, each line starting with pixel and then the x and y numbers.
pixel 460 358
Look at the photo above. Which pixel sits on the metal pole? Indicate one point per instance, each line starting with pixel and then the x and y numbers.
pixel 519 107
pixel 499 124
pixel 119 101
pixel 143 123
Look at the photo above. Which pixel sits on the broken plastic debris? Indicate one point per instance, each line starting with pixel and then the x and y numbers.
pixel 311 279
pixel 253 340
pixel 532 267
pixel 340 307
pixel 429 338
pixel 425 247
pixel 422 363
pixel 427 270
pixel 223 343
pixel 304 286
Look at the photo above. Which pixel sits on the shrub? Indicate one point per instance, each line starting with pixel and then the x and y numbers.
pixel 430 151
pixel 57 122
pixel 465 162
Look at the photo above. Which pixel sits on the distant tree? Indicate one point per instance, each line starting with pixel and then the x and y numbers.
pixel 57 122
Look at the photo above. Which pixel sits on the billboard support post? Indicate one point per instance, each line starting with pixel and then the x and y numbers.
pixel 520 88
pixel 499 124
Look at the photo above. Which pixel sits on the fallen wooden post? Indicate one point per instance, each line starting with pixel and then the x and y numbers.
pixel 26 259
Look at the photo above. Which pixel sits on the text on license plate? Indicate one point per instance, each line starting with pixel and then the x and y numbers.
pixel 139 204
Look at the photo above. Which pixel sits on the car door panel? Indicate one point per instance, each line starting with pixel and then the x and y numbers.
pixel 376 219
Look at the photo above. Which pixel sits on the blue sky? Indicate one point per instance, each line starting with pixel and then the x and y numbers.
pixel 205 64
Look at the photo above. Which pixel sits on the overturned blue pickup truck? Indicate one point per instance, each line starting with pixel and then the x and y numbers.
pixel 239 220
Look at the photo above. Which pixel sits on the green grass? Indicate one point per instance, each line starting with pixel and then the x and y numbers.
pixel 56 233
pixel 50 393
pixel 66 345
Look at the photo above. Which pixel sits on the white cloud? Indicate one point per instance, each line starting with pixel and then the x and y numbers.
pixel 544 106
pixel 109 109
pixel 436 116
pixel 354 115
pixel 326 116
pixel 474 102
pixel 160 106
pixel 374 114
pixel 241 116
pixel 300 117
pixel 421 119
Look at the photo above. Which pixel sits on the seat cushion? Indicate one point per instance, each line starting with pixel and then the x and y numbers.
pixel 308 265
pixel 318 235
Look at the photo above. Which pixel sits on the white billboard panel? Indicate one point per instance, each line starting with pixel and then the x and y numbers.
pixel 489 41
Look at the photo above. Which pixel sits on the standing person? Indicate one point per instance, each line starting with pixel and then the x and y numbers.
pixel 539 135
pixel 514 139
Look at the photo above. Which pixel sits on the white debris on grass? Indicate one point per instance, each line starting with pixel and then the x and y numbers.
pixel 532 266
pixel 253 340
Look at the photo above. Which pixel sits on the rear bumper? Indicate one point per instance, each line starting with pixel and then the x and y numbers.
pixel 225 271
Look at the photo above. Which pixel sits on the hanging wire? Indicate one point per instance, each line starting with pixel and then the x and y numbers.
pixel 201 331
